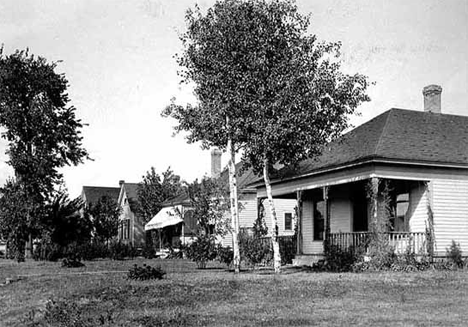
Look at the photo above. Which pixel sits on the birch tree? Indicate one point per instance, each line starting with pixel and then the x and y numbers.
pixel 298 98
pixel 264 84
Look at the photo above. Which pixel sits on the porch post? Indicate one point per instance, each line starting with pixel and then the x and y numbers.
pixel 299 223
pixel 327 218
pixel 375 198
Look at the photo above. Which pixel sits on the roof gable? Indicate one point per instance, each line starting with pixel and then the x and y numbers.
pixel 92 194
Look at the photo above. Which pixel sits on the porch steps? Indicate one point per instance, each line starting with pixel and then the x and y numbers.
pixel 306 259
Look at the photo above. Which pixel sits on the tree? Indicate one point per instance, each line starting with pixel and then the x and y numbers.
pixel 64 222
pixel 282 90
pixel 156 189
pixel 208 203
pixel 41 128
pixel 105 217
pixel 13 213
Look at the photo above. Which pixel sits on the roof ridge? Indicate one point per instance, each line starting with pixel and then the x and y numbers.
pixel 384 129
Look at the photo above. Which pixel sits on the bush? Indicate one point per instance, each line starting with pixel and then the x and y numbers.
pixel 339 260
pixel 145 273
pixel 254 250
pixel 120 251
pixel 288 249
pixel 72 261
pixel 225 255
pixel 202 250
pixel 454 254
pixel 149 252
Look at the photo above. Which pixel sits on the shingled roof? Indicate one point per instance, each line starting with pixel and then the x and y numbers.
pixel 244 178
pixel 397 135
pixel 132 190
pixel 94 193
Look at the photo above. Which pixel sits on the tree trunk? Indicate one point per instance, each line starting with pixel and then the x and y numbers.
pixel 274 220
pixel 234 204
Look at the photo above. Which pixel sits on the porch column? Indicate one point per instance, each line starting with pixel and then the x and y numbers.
pixel 325 190
pixel 299 223
pixel 375 198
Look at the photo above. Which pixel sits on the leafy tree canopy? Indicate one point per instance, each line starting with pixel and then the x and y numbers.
pixel 156 189
pixel 41 127
pixel 283 91
pixel 209 202
pixel 105 217
pixel 64 222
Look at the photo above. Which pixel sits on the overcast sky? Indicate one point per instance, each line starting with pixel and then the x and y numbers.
pixel 118 58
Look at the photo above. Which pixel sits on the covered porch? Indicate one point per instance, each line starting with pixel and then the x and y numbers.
pixel 342 214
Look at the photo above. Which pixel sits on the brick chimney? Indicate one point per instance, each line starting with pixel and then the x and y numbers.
pixel 215 162
pixel 432 98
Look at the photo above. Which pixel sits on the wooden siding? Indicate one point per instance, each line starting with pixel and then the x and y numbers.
pixel 247 215
pixel 450 207
pixel 282 206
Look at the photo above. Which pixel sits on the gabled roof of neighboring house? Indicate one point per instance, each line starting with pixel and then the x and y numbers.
pixel 94 193
pixel 244 177
pixel 132 190
pixel 399 136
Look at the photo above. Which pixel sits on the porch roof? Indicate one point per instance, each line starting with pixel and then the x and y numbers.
pixel 397 136
pixel 165 217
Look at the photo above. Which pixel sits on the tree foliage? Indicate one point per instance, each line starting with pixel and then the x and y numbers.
pixel 64 222
pixel 156 189
pixel 105 216
pixel 41 127
pixel 283 90
pixel 42 132
pixel 13 213
pixel 209 203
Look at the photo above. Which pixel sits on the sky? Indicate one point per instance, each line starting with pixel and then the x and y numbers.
pixel 118 57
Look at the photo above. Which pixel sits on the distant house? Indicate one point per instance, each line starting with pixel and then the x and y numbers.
pixel 422 156
pixel 177 217
pixel 131 225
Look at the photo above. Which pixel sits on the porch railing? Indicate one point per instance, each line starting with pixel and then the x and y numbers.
pixel 400 242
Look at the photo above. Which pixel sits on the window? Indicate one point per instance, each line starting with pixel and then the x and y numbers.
pixel 288 221
pixel 128 229
pixel 319 220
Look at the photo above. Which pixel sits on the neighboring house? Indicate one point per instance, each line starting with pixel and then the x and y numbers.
pixel 91 195
pixel 131 225
pixel 424 158
pixel 184 229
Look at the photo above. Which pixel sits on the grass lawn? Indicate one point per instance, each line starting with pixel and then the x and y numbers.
pixel 101 293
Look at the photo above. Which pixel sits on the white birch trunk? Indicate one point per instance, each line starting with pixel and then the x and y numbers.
pixel 234 204
pixel 274 220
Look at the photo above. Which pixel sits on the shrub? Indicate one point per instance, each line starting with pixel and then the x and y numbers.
pixel 72 261
pixel 225 255
pixel 339 260
pixel 287 245
pixel 254 250
pixel 454 254
pixel 120 251
pixel 202 250
pixel 145 273
pixel 149 252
